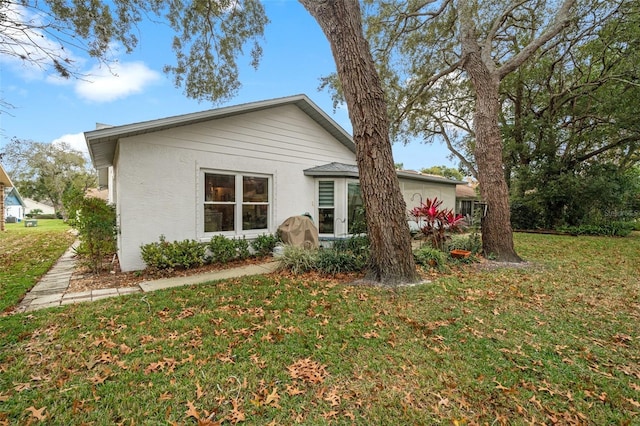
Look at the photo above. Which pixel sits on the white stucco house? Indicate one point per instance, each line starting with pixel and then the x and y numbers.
pixel 237 171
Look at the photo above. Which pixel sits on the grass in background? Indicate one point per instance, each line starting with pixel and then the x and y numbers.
pixel 26 254
pixel 555 343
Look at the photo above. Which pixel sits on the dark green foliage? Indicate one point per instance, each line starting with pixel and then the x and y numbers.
pixel 242 248
pixel 176 254
pixel 298 260
pixel 96 225
pixel 45 216
pixel 470 242
pixel 430 257
pixel 348 255
pixel 612 229
pixel 264 244
pixel 221 249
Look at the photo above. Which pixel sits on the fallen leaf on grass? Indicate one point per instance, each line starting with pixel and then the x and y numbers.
pixel 236 415
pixel 292 391
pixel 192 411
pixel 371 335
pixel 37 413
pixel 308 370
pixel 199 391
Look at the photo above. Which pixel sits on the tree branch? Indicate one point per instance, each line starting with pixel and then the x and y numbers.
pixel 560 22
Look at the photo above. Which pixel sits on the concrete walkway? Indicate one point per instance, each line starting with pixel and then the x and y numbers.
pixel 50 290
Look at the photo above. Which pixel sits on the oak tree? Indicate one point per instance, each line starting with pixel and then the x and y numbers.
pixel 210 37
pixel 463 49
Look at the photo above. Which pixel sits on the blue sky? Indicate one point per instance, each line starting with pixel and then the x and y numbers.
pixel 295 55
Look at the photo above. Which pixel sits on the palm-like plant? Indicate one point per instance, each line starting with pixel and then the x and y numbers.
pixel 435 222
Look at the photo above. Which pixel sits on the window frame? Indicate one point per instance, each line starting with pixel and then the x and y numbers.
pixel 238 203
pixel 323 207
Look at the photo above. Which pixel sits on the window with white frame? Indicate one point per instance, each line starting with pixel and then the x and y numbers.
pixel 355 208
pixel 326 206
pixel 236 202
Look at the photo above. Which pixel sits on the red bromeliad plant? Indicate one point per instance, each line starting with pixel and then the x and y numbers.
pixel 435 222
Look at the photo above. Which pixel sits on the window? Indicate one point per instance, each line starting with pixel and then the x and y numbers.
pixel 326 206
pixel 466 207
pixel 355 209
pixel 235 202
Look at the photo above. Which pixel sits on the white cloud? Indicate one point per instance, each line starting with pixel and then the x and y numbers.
pixel 76 141
pixel 117 82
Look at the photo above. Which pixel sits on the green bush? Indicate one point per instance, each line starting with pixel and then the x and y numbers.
pixel 298 260
pixel 96 225
pixel 221 249
pixel 264 244
pixel 178 254
pixel 242 248
pixel 471 242
pixel 430 257
pixel 612 229
pixel 45 216
pixel 333 261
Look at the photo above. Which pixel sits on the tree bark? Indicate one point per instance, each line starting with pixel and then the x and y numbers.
pixel 497 234
pixel 391 256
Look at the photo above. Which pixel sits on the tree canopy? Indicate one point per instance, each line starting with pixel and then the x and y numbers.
pixel 210 37
pixel 47 171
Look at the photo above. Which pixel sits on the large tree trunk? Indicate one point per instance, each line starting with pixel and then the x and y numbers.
pixel 391 256
pixel 497 235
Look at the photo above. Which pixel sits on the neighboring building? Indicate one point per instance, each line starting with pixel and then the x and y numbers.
pixel 14 207
pixel 5 183
pixel 468 200
pixel 238 171
pixel 31 205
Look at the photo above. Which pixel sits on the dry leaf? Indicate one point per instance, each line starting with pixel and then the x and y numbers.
pixel 37 413
pixel 273 398
pixel 292 391
pixel 236 415
pixel 199 391
pixel 165 396
pixel 633 402
pixel 192 412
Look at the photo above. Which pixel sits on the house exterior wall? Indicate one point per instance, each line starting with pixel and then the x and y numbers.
pixel 158 177
pixel 415 192
pixel 33 205
pixel 12 206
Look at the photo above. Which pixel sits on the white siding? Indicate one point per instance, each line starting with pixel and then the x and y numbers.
pixel 158 175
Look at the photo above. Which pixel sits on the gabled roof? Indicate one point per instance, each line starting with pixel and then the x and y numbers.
pixel 13 192
pixel 4 177
pixel 102 142
pixel 465 191
pixel 348 170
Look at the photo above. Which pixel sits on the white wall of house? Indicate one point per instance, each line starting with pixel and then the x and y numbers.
pixel 14 211
pixel 415 192
pixel 159 177
pixel 33 205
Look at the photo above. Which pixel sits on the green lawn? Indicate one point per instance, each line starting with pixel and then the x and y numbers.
pixel 556 343
pixel 26 254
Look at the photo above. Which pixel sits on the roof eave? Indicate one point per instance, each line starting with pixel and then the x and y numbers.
pixel 110 135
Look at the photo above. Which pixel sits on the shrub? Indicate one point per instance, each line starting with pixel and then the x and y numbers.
pixel 45 216
pixel 166 255
pixel 430 257
pixel 436 223
pixel 221 249
pixel 472 243
pixel 264 244
pixel 242 248
pixel 333 261
pixel 612 229
pixel 298 260
pixel 96 225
